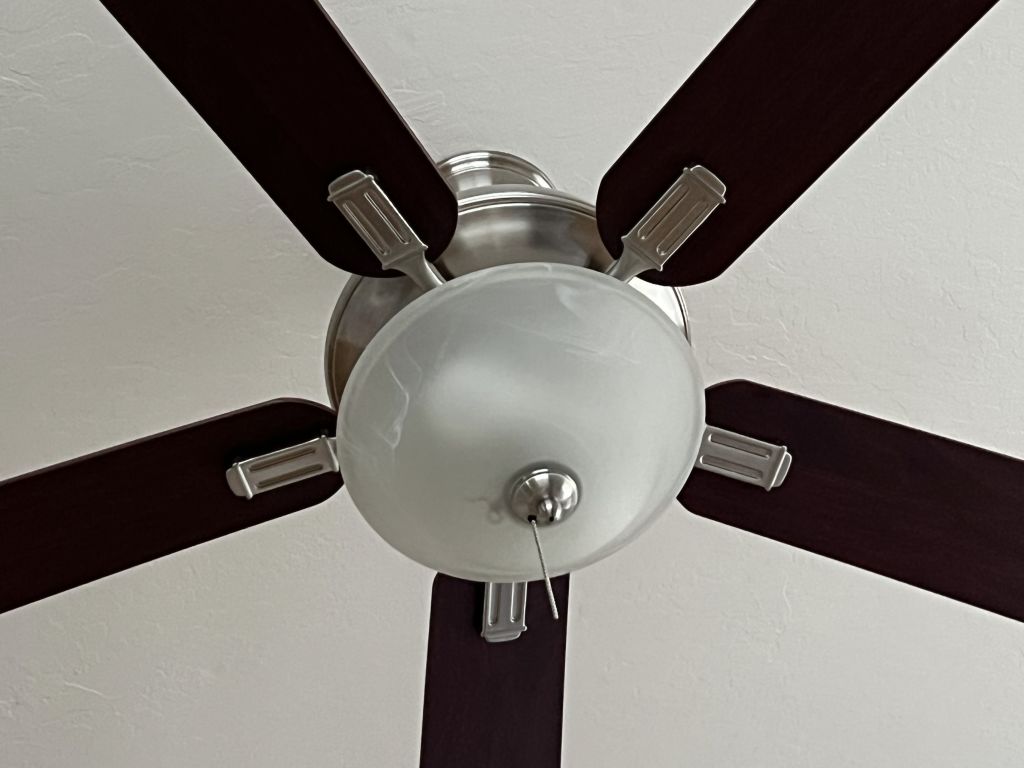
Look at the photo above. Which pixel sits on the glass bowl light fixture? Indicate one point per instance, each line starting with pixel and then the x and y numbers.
pixel 480 393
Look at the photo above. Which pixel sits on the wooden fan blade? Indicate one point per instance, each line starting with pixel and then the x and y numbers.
pixel 791 86
pixel 282 89
pixel 922 509
pixel 493 705
pixel 90 517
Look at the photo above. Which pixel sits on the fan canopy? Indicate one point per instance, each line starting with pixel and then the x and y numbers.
pixel 503 371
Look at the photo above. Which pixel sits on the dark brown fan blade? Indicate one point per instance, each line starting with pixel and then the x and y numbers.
pixel 281 87
pixel 791 86
pixel 493 705
pixel 928 511
pixel 90 517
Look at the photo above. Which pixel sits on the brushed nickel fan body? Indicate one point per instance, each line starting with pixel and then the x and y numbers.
pixel 509 213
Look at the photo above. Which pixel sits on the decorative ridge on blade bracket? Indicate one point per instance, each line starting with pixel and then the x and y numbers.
pixel 663 229
pixel 382 227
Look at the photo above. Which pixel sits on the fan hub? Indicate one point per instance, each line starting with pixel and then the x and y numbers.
pixel 509 212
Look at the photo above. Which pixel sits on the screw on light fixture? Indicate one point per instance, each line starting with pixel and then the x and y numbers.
pixel 542 497
pixel 544 493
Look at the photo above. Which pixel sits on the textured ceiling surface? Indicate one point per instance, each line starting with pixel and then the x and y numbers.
pixel 146 281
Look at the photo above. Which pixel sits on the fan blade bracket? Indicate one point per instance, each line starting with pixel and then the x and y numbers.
pixel 277 469
pixel 661 232
pixel 382 227
pixel 743 458
pixel 504 615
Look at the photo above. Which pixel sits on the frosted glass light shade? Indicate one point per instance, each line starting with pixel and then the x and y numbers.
pixel 502 371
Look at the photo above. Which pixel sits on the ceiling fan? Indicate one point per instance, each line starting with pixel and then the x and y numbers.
pixel 754 115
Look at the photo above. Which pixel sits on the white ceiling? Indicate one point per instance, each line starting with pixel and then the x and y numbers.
pixel 146 281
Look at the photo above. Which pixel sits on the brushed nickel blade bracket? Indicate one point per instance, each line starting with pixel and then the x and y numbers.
pixel 382 227
pixel 663 229
pixel 504 611
pixel 743 458
pixel 280 468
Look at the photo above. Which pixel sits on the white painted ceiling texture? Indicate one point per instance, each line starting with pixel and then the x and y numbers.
pixel 146 281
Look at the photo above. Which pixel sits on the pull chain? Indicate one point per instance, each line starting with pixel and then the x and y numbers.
pixel 544 568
